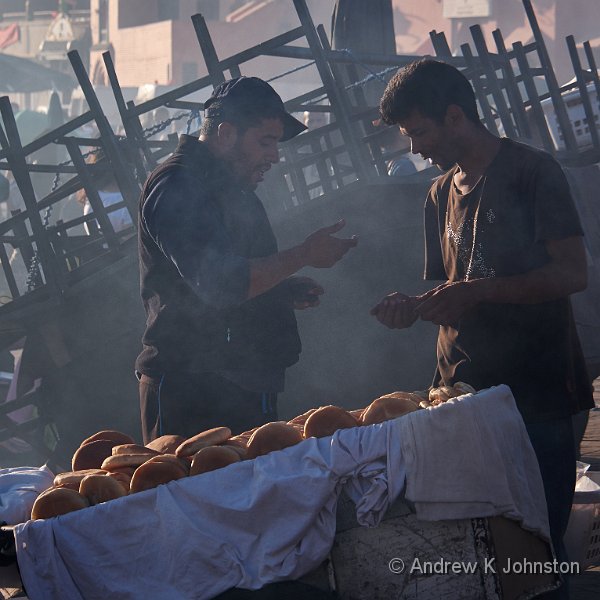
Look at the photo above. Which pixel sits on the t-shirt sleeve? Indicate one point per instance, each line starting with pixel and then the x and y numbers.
pixel 556 216
pixel 187 226
pixel 434 262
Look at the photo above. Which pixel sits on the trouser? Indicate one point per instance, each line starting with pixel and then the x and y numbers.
pixel 186 404
pixel 553 444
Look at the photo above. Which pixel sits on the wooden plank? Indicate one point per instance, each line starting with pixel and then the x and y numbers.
pixel 337 97
pixel 480 91
pixel 553 88
pixel 583 92
pixel 264 48
pixel 123 175
pixel 593 71
pixel 492 81
pixel 534 100
pixel 184 105
pixel 338 56
pixel 131 123
pixel 94 198
pixel 215 71
pixel 66 189
pixel 57 133
pixel 180 92
pixel 39 168
pixel 512 89
pixel 440 44
pixel 8 274
pixel 12 143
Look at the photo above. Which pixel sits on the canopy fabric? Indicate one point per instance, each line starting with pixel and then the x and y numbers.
pixel 18 74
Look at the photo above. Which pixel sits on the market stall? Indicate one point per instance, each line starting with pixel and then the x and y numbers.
pixel 443 471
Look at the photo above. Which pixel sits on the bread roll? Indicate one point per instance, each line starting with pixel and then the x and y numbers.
pixel 91 454
pixel 182 463
pixel 463 388
pixel 100 488
pixel 241 450
pixel 133 449
pixel 128 471
pixel 57 501
pixel 326 420
pixel 123 479
pixel 120 461
pixel 110 434
pixel 357 413
pixel 297 426
pixel 240 441
pixel 243 438
pixel 385 408
pixel 272 436
pixel 166 444
pixel 75 477
pixel 412 396
pixel 152 474
pixel 210 437
pixel 213 457
pixel 301 419
pixel 441 394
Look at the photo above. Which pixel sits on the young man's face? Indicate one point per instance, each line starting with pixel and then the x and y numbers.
pixel 432 140
pixel 253 152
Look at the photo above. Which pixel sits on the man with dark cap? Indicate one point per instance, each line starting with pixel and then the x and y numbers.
pixel 218 294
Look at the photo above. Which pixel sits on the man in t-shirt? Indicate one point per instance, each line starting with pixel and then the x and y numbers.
pixel 502 232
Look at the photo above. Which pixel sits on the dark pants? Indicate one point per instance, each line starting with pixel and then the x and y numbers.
pixel 187 404
pixel 553 444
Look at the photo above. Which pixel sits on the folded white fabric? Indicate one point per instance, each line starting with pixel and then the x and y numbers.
pixel 246 525
pixel 472 457
pixel 19 487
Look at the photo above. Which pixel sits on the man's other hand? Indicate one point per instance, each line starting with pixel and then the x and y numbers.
pixel 448 303
pixel 304 292
pixel 396 310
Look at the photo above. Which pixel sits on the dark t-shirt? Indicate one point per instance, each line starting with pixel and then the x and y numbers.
pixel 499 229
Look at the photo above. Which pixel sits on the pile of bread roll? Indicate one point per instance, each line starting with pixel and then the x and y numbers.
pixel 109 464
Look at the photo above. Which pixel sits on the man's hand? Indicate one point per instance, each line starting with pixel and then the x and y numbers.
pixel 321 250
pixel 304 292
pixel 396 310
pixel 447 303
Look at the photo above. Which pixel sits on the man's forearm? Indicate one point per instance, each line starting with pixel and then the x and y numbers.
pixel 267 272
pixel 564 274
pixel 320 250
pixel 547 283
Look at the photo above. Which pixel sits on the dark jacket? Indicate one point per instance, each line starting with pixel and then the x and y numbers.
pixel 202 323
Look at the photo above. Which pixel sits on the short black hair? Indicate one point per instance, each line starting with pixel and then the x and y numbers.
pixel 429 86
pixel 251 116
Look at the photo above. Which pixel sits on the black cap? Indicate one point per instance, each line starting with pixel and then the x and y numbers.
pixel 251 95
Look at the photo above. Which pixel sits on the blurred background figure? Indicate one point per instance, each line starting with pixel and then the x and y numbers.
pixel 159 116
pixel 110 194
pixel 314 119
pixel 397 147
